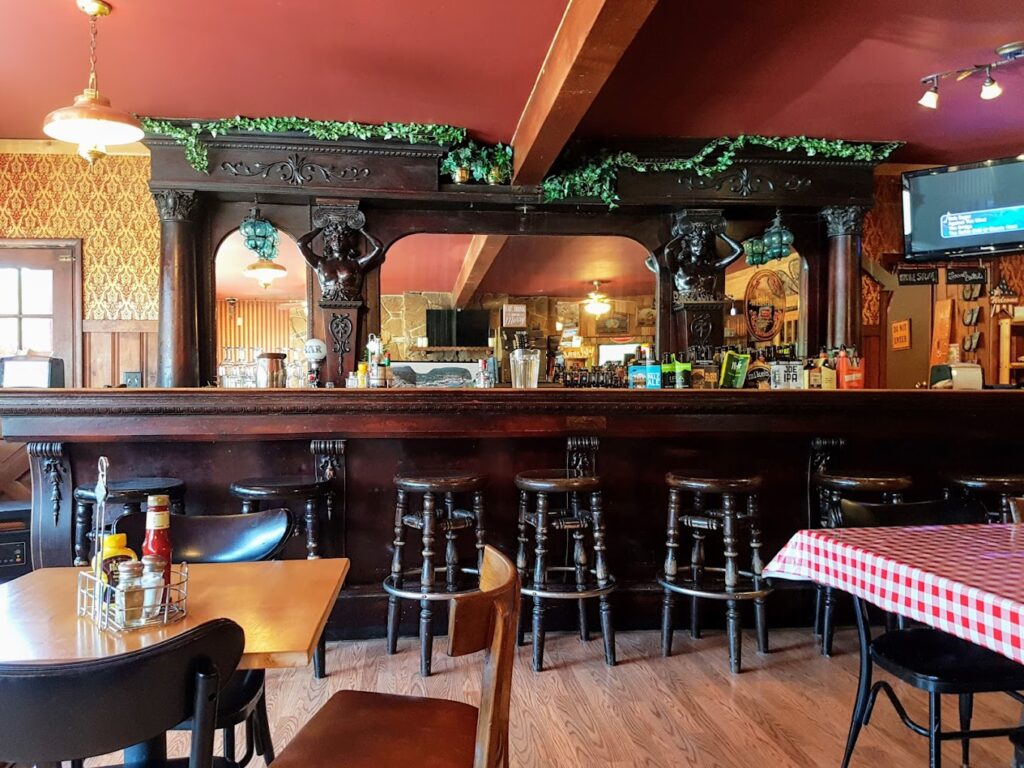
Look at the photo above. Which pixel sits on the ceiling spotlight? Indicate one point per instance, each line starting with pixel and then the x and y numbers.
pixel 990 89
pixel 930 98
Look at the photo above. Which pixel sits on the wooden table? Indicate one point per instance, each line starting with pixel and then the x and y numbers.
pixel 282 606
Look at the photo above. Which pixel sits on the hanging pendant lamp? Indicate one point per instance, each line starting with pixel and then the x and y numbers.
pixel 597 304
pixel 261 238
pixel 90 122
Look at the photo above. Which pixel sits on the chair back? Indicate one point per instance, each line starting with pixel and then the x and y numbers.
pixel 55 712
pixel 486 621
pixel 217 538
pixel 856 514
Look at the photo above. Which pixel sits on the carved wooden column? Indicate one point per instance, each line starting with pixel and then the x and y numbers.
pixel 51 505
pixel 845 225
pixel 177 342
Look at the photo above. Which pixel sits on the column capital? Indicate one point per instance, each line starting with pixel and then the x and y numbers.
pixel 844 219
pixel 175 204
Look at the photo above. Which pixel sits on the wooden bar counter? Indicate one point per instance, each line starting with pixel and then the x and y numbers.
pixel 359 439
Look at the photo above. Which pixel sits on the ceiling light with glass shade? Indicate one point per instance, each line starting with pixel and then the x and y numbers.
pixel 597 303
pixel 261 237
pixel 90 122
pixel 990 89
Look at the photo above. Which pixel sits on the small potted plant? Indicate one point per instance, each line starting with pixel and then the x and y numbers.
pixel 458 162
pixel 497 163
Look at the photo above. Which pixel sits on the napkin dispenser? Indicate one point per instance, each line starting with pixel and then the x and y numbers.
pixel 956 376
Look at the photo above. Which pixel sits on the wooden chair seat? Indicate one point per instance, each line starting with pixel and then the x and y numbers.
pixel 556 481
pixel 440 482
pixel 359 729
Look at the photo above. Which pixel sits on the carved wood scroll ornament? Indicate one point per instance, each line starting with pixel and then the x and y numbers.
pixel 297 170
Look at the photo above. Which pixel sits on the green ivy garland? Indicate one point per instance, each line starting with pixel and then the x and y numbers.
pixel 595 177
pixel 190 136
pixel 598 176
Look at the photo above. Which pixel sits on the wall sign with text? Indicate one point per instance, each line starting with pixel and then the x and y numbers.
pixel 966 276
pixel 918 276
pixel 901 334
pixel 513 315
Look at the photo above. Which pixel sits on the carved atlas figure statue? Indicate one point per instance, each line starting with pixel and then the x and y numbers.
pixel 340 268
pixel 692 260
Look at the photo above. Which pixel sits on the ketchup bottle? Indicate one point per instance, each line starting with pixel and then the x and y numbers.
pixel 158 531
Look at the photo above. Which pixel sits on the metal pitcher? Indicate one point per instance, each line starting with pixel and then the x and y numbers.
pixel 270 370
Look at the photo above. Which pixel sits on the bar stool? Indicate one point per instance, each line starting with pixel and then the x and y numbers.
pixel 733 585
pixel 834 486
pixel 1002 487
pixel 446 518
pixel 587 583
pixel 131 494
pixel 254 490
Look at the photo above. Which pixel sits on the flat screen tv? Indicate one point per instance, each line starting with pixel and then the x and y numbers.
pixel 964 210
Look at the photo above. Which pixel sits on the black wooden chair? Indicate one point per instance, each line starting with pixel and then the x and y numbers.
pixel 228 539
pixel 926 658
pixel 56 712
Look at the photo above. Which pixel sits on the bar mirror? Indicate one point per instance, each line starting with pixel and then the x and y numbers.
pixel 261 314
pixel 449 301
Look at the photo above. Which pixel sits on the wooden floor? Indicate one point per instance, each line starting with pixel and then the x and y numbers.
pixel 789 708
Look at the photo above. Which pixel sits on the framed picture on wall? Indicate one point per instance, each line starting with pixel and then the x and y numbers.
pixel 646 317
pixel 612 324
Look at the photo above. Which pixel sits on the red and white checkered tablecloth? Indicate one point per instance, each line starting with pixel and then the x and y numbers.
pixel 967 580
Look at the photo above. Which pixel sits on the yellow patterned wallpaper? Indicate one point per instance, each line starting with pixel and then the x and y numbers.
pixel 883 233
pixel 108 206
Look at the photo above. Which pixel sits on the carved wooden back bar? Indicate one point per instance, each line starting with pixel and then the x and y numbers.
pixel 396 190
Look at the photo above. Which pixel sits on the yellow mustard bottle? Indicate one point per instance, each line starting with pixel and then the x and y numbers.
pixel 115 550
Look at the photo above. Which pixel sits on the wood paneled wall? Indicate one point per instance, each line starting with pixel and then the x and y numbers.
pixel 263 324
pixel 113 347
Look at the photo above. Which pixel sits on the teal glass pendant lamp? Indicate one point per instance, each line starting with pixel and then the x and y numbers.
pixel 261 237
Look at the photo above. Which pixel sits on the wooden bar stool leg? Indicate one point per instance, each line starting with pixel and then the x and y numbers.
pixel 1005 515
pixel 580 561
pixel 671 570
pixel 427 582
pixel 732 613
pixel 312 529
pixel 83 525
pixel 228 737
pixel 394 604
pixel 451 558
pixel 540 580
pixel 696 566
pixel 521 560
pixel 249 506
pixel 601 570
pixel 756 567
pixel 478 513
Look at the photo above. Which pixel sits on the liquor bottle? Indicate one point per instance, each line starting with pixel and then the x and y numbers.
pixel 483 378
pixel 668 371
pixel 158 531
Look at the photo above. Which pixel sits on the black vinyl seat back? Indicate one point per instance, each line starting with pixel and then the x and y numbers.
pixel 217 538
pixel 857 514
pixel 54 712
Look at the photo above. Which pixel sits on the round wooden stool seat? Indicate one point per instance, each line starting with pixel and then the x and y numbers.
pixel 863 482
pixel 701 483
pixel 134 489
pixel 1003 483
pixel 278 487
pixel 555 481
pixel 439 482
pixel 309 490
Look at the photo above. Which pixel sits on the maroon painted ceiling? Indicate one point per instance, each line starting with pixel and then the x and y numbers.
pixel 844 70
pixel 465 62
pixel 424 263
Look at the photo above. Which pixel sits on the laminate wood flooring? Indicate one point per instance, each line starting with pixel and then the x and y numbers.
pixel 790 708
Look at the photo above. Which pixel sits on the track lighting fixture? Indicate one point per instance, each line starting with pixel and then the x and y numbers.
pixel 990 89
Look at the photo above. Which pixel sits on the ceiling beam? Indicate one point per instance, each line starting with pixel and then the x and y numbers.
pixel 482 251
pixel 591 38
pixel 590 41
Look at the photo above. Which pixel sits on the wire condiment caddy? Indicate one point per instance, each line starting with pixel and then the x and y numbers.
pixel 115 607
